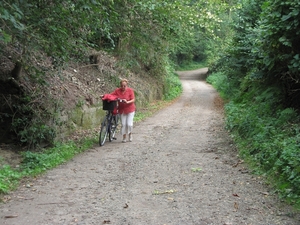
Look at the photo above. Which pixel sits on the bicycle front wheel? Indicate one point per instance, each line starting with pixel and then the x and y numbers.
pixel 103 132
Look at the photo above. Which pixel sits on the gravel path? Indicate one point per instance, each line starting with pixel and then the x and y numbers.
pixel 181 168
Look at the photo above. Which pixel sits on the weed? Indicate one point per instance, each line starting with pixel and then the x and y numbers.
pixel 196 169
pixel 8 178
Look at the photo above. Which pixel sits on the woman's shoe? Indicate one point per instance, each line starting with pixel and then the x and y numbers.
pixel 130 137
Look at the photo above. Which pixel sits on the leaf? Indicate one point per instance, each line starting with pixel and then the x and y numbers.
pixel 5 15
pixel 285 41
pixel 196 169
pixel 285 17
pixel 6 38
pixel 11 216
pixel 236 205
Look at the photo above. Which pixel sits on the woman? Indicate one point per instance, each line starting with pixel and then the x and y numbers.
pixel 126 108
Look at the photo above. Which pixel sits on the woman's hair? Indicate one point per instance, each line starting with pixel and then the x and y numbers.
pixel 123 80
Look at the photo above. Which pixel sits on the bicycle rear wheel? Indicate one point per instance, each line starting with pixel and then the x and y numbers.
pixel 113 127
pixel 103 132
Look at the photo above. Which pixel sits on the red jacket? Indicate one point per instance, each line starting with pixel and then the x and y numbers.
pixel 109 97
pixel 125 108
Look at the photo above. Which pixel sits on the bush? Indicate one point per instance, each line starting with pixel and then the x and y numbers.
pixel 269 140
pixel 222 83
pixel 172 86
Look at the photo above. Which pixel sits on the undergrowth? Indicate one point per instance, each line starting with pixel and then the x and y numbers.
pixel 266 133
pixel 172 85
pixel 172 88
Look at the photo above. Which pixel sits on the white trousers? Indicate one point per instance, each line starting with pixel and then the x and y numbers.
pixel 127 123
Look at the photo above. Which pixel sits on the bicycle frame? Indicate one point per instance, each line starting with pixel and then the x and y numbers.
pixel 108 127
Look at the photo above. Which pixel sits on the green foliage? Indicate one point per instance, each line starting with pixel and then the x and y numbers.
pixel 36 134
pixel 266 133
pixel 223 84
pixel 236 59
pixel 209 35
pixel 31 122
pixel 37 162
pixel 265 47
pixel 147 32
pixel 58 28
pixel 262 65
pixel 270 141
pixel 193 65
pixel 8 179
pixel 279 39
pixel 172 86
pixel 142 34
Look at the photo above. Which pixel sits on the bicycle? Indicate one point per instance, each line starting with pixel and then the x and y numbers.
pixel 110 122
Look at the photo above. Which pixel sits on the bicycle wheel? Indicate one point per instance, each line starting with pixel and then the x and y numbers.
pixel 103 132
pixel 113 127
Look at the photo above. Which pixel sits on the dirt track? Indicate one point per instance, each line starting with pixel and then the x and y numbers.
pixel 181 168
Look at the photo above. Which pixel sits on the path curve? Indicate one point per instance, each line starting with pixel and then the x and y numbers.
pixel 181 168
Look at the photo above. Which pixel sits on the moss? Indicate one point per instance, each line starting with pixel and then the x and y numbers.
pixel 76 116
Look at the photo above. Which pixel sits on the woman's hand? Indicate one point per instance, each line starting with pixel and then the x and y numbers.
pixel 126 101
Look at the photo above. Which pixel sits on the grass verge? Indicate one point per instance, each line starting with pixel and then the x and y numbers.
pixel 36 163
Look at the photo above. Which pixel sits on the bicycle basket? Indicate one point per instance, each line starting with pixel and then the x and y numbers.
pixel 109 105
